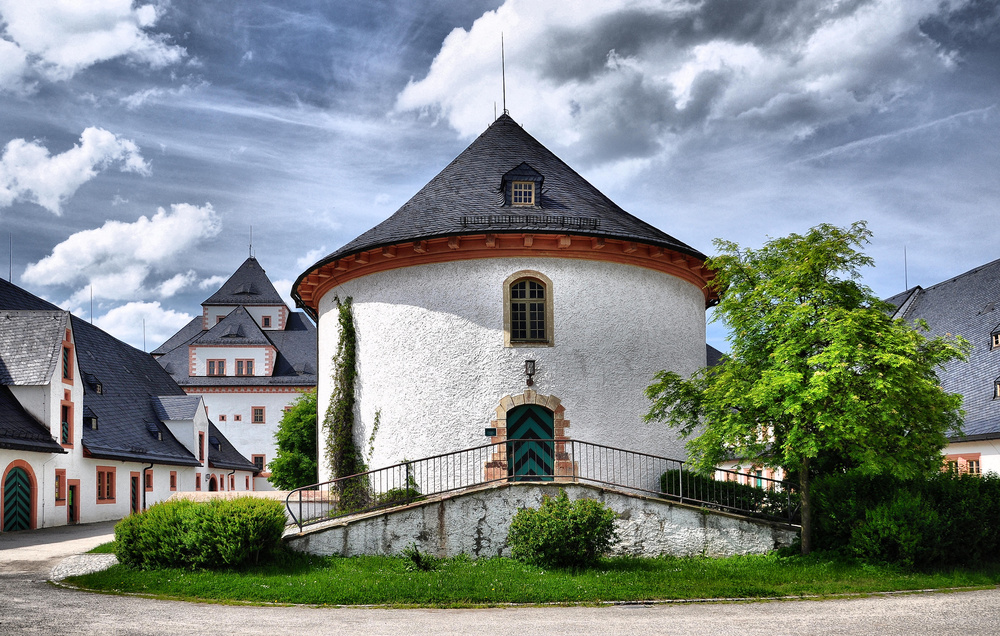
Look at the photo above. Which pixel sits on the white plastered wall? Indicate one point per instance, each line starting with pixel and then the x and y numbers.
pixel 432 364
pixel 250 438
pixel 989 451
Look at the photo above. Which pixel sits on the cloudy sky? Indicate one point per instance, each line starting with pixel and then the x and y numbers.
pixel 142 140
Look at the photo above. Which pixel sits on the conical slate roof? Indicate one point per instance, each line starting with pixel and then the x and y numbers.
pixel 249 285
pixel 466 198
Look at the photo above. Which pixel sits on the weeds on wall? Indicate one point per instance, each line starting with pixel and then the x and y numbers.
pixel 341 452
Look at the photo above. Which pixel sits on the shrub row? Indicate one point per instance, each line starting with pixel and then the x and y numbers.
pixel 946 520
pixel 730 494
pixel 218 534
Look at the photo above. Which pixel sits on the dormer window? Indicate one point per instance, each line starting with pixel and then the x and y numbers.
pixel 522 193
pixel 522 187
pixel 995 338
pixel 265 322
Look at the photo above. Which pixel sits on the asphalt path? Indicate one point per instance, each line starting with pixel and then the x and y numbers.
pixel 29 604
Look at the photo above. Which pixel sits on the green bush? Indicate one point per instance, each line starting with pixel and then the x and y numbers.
pixel 730 494
pixel 944 520
pixel 561 533
pixel 218 534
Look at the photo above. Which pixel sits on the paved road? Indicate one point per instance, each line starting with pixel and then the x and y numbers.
pixel 30 605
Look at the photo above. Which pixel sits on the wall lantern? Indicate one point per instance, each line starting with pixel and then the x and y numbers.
pixel 529 370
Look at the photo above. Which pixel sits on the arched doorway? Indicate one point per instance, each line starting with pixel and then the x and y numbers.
pixel 213 484
pixel 18 495
pixel 530 449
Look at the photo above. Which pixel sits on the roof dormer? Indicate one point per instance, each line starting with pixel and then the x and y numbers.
pixel 522 187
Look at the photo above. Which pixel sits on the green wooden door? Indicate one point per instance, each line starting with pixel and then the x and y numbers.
pixel 17 501
pixel 527 459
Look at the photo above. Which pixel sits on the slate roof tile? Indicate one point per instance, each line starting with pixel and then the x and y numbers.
pixel 30 345
pixel 237 328
pixel 20 431
pixel 465 198
pixel 249 285
pixel 967 305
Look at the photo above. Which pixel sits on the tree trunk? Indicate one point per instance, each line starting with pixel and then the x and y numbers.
pixel 806 506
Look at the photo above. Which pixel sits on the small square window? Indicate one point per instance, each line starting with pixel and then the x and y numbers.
pixel 522 193
pixel 222 418
pixel 237 418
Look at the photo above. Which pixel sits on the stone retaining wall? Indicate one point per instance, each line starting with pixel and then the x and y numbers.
pixel 475 523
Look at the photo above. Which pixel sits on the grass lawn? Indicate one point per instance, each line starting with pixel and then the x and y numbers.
pixel 462 582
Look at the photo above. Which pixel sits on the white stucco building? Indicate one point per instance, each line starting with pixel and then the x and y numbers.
pixel 509 256
pixel 248 357
pixel 92 429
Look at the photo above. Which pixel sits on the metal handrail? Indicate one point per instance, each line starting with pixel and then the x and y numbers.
pixel 545 460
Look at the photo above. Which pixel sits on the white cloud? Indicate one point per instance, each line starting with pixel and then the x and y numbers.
pixel 212 283
pixel 60 38
pixel 632 78
pixel 118 259
pixel 284 289
pixel 128 322
pixel 13 64
pixel 311 257
pixel 28 172
pixel 172 285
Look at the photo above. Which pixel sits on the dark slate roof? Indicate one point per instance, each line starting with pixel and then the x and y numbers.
pixel 132 383
pixel 714 356
pixel 20 431
pixel 176 407
pixel 466 198
pixel 237 328
pixel 134 386
pixel 30 345
pixel 967 305
pixel 295 364
pixel 249 285
pixel 222 454
pixel 182 337
pixel 900 299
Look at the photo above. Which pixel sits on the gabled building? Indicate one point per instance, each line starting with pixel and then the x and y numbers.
pixel 967 305
pixel 248 356
pixel 91 428
pixel 509 298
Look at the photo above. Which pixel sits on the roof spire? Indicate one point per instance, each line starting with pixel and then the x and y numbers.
pixel 503 75
pixel 251 241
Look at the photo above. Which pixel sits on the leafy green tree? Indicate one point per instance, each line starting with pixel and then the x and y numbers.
pixel 819 374
pixel 295 463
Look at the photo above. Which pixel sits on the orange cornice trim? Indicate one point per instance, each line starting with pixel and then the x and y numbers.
pixel 317 282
